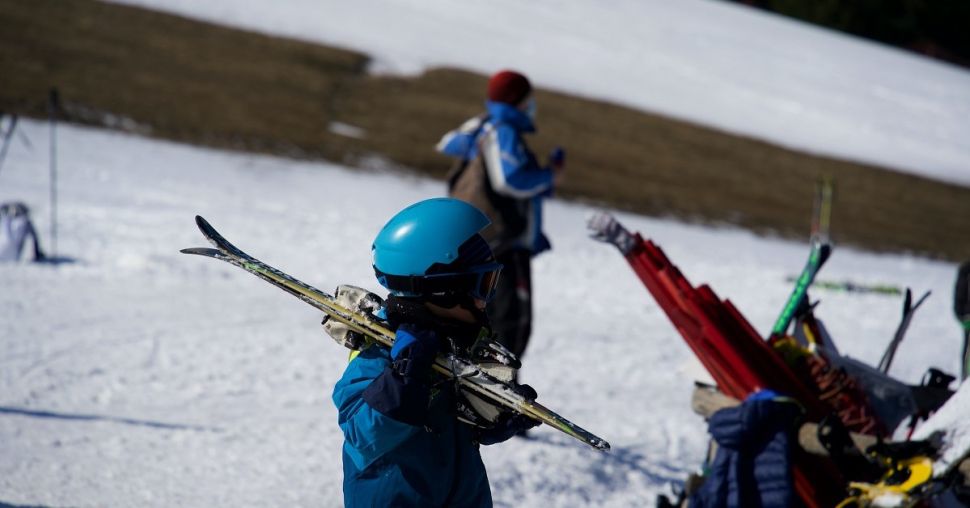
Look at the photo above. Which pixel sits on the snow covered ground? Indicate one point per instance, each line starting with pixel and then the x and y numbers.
pixel 138 376
pixel 711 62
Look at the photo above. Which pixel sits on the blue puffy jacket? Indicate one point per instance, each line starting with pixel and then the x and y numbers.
pixel 513 173
pixel 752 468
pixel 391 463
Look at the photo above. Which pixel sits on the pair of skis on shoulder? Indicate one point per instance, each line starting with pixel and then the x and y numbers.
pixel 469 376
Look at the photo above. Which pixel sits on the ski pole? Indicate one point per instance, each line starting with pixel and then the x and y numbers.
pixel 909 308
pixel 7 137
pixel 965 358
pixel 53 104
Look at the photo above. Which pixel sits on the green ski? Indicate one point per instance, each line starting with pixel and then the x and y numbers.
pixel 821 248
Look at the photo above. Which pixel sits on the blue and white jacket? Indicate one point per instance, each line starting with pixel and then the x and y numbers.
pixel 516 182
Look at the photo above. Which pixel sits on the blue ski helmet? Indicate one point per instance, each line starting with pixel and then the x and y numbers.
pixel 434 247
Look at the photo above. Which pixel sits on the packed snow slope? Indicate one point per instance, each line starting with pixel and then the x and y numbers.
pixel 139 376
pixel 707 61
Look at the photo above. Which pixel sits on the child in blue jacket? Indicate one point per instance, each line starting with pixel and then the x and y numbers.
pixel 403 444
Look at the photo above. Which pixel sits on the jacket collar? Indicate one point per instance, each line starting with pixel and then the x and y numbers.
pixel 501 112
pixel 400 310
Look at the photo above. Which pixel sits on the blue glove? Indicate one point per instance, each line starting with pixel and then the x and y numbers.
pixel 414 351
pixel 557 157
pixel 403 390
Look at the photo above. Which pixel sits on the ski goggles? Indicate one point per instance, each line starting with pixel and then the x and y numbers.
pixel 479 282
pixel 531 109
pixel 485 280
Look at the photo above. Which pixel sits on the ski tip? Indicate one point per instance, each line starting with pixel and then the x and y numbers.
pixel 200 251
pixel 201 222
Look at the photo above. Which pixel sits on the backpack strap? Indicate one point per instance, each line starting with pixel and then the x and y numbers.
pixel 460 164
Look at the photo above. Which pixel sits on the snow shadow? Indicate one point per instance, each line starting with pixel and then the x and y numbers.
pixel 101 418
pixel 610 467
pixel 56 260
pixel 8 505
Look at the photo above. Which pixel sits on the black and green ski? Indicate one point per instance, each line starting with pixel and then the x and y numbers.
pixel 467 373
pixel 821 248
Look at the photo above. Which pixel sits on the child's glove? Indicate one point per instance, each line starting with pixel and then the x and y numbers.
pixel 414 351
pixel 512 425
pixel 357 300
pixel 403 390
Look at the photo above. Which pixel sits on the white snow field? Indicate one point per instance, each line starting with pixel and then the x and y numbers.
pixel 711 62
pixel 139 376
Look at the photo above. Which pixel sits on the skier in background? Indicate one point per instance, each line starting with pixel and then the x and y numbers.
pixel 15 229
pixel 496 172
pixel 961 307
pixel 403 444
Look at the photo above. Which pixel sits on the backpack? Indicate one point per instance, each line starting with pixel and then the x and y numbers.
pixel 468 181
pixel 15 229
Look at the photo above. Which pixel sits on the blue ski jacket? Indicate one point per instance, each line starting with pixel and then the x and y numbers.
pixel 513 173
pixel 391 463
pixel 752 467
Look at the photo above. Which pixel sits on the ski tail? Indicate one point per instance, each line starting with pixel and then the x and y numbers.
pixel 217 240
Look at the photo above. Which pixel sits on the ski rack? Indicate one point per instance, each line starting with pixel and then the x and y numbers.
pixel 732 351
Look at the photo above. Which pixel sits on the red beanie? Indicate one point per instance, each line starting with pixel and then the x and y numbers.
pixel 509 87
